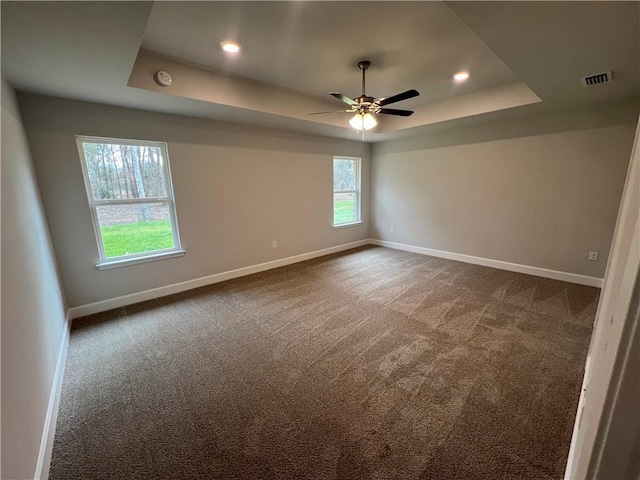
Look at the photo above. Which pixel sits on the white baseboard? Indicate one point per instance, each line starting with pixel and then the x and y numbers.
pixel 487 262
pixel 48 433
pixel 132 298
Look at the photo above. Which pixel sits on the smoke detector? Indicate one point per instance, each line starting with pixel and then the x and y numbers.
pixel 596 79
pixel 163 78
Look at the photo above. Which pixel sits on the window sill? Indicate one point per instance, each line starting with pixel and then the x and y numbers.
pixel 132 261
pixel 350 224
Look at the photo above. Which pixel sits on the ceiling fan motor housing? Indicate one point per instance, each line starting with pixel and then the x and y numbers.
pixel 364 99
pixel 367 104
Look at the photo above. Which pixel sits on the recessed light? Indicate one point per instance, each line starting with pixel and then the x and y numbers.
pixel 230 47
pixel 461 76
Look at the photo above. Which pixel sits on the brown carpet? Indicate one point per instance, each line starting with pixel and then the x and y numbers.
pixel 370 364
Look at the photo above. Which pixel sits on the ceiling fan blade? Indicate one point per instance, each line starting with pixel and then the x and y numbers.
pixel 343 98
pixel 393 111
pixel 332 111
pixel 399 97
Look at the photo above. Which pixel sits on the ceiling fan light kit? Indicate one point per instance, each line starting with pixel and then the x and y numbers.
pixel 363 122
pixel 365 107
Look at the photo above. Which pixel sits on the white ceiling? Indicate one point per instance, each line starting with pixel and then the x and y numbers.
pixel 314 47
pixel 523 57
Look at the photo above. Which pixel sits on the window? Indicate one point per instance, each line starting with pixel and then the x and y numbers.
pixel 131 198
pixel 346 191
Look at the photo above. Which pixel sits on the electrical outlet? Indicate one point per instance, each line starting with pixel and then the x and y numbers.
pixel 274 244
pixel 593 256
pixel 392 229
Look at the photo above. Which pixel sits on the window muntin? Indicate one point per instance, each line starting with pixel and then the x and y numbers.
pixel 131 198
pixel 346 190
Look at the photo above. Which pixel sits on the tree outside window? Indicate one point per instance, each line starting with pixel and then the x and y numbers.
pixel 131 197
pixel 346 190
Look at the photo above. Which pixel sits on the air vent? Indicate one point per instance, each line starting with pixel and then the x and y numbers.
pixel 596 79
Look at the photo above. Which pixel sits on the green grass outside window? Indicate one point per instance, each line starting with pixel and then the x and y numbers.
pixel 343 212
pixel 140 237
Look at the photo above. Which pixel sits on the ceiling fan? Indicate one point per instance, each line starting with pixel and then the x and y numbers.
pixel 365 107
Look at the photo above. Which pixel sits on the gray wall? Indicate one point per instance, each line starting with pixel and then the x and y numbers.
pixel 237 189
pixel 33 318
pixel 541 191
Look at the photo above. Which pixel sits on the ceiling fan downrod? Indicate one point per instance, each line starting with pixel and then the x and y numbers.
pixel 364 64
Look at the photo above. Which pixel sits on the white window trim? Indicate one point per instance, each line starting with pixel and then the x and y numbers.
pixel 135 258
pixel 357 192
pixel 350 224
pixel 157 255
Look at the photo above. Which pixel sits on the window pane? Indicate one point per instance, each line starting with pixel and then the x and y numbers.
pixel 344 174
pixel 344 208
pixel 124 171
pixel 131 229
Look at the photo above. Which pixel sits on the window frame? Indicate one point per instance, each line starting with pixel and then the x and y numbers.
pixel 169 200
pixel 357 192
